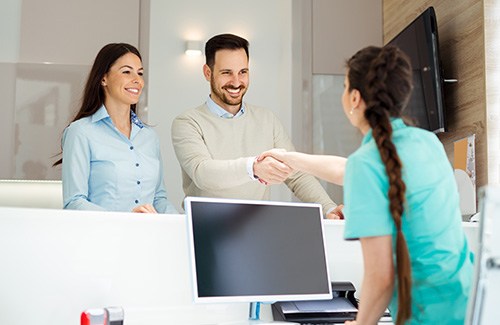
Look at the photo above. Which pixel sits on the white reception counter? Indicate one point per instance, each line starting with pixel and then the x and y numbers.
pixel 57 263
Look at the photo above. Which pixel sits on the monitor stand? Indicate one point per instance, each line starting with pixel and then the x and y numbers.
pixel 254 318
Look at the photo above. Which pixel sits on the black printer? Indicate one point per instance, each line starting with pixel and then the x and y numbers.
pixel 343 306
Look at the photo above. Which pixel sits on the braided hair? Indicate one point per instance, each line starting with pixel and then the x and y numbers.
pixel 383 76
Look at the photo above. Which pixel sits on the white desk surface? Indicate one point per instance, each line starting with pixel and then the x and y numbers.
pixel 57 263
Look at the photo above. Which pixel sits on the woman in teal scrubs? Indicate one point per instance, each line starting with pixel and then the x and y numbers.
pixel 401 199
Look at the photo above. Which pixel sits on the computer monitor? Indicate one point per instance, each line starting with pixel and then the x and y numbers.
pixel 256 251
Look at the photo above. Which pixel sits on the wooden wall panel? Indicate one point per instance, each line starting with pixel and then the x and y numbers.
pixel 461 38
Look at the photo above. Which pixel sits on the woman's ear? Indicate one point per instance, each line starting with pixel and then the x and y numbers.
pixel 355 98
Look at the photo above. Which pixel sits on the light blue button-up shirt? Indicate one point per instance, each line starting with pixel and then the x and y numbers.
pixel 104 170
pixel 220 112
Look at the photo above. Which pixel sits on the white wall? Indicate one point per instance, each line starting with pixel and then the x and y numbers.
pixel 176 82
pixel 352 24
pixel 492 59
pixel 38 99
pixel 73 31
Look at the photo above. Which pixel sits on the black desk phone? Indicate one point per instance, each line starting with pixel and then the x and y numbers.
pixel 343 306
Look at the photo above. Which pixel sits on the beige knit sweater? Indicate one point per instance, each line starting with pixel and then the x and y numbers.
pixel 213 152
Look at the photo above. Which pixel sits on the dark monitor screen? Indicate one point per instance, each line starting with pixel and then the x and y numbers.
pixel 419 40
pixel 250 251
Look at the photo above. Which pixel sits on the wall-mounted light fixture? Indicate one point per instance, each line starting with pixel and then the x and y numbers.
pixel 194 48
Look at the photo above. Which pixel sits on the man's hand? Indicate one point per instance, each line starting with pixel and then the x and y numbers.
pixel 144 208
pixel 336 213
pixel 276 153
pixel 271 171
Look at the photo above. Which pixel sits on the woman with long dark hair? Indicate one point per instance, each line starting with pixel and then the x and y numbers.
pixel 110 159
pixel 401 199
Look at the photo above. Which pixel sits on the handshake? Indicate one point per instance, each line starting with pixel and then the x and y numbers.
pixel 276 165
pixel 271 168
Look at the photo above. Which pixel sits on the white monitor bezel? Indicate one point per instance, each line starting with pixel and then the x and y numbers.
pixel 249 298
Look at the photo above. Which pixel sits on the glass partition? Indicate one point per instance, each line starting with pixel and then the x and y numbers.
pixel 46 53
pixel 333 134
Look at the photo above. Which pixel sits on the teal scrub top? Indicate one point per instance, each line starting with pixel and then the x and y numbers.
pixel 441 260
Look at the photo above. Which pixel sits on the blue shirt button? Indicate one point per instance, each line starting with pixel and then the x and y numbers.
pixel 137 165
pixel 131 147
pixel 136 201
pixel 138 182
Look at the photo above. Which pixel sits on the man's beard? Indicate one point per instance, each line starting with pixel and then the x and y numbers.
pixel 225 98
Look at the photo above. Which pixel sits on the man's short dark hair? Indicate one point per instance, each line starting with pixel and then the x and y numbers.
pixel 223 42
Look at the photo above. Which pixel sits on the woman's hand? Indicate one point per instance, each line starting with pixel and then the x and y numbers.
pixel 278 154
pixel 351 322
pixel 336 213
pixel 144 208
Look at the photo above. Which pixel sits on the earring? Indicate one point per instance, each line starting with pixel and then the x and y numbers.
pixel 351 111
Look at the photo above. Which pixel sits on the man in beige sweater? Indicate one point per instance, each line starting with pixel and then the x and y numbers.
pixel 217 143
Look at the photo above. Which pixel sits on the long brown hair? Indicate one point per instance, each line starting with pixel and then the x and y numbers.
pixel 93 94
pixel 383 76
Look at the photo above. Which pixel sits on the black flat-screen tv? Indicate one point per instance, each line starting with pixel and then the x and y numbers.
pixel 419 40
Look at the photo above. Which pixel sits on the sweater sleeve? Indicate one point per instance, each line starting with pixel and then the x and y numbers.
pixel 195 159
pixel 304 186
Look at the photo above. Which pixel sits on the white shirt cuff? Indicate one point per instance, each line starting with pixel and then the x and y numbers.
pixel 250 162
pixel 330 210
